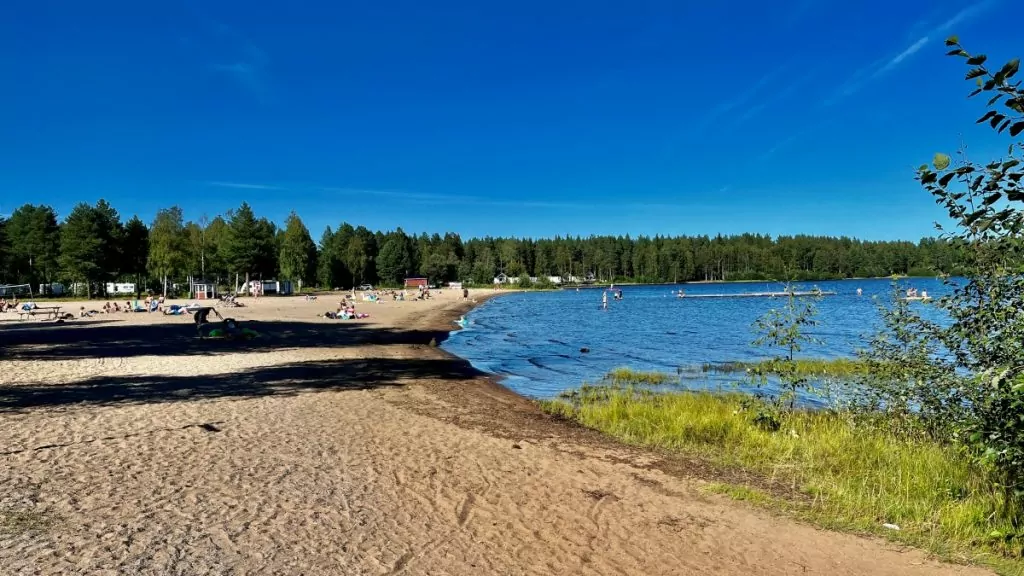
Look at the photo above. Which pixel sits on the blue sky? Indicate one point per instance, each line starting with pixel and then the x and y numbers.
pixel 501 118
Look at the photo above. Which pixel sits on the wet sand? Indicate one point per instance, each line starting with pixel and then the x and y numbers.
pixel 128 446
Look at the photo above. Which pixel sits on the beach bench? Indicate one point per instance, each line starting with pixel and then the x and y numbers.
pixel 51 312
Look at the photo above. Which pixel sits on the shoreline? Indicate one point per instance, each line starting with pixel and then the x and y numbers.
pixel 334 447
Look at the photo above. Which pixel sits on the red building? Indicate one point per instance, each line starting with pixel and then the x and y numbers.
pixel 416 283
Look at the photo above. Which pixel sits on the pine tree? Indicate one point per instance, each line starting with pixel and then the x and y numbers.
pixel 298 253
pixel 327 259
pixel 111 236
pixel 4 243
pixel 135 250
pixel 243 246
pixel 395 258
pixel 216 241
pixel 81 246
pixel 34 239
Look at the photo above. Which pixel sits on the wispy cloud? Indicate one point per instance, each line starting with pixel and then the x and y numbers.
pixel 351 194
pixel 244 186
pixel 964 15
pixel 428 198
pixel 786 141
pixel 249 71
pixel 230 53
pixel 745 97
pixel 425 197
pixel 779 92
pixel 910 51
pixel 882 66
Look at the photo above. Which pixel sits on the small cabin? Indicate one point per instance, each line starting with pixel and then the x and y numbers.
pixel 420 283
pixel 202 290
pixel 501 279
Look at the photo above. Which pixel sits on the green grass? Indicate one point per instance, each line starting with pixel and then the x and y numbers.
pixel 744 493
pixel 818 367
pixel 20 521
pixel 836 473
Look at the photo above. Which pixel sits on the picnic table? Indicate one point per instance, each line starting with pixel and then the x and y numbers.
pixel 51 312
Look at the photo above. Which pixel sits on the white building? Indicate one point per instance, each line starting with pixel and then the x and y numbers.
pixel 264 287
pixel 51 289
pixel 120 288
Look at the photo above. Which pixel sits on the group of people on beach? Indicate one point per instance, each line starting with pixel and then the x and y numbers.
pixel 346 311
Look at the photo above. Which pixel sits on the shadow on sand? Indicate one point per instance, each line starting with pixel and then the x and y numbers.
pixel 115 340
pixel 287 379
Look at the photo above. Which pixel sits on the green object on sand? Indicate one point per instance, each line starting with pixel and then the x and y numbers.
pixel 243 334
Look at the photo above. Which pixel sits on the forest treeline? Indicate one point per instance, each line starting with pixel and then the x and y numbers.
pixel 94 244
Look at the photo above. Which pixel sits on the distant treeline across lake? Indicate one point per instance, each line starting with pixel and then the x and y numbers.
pixel 95 243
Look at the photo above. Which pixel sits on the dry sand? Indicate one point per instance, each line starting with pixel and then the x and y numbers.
pixel 128 446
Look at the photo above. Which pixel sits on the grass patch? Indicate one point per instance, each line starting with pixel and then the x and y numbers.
pixel 853 476
pixel 815 367
pixel 627 377
pixel 21 521
pixel 744 493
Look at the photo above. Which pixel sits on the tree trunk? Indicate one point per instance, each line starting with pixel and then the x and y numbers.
pixel 165 285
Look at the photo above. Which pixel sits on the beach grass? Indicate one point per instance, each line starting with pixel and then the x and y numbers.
pixel 827 468
pixel 814 367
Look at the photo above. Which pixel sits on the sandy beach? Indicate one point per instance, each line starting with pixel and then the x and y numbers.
pixel 129 446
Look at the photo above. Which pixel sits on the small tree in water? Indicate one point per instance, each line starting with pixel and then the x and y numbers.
pixel 785 330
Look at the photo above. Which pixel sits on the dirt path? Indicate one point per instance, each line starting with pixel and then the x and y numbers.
pixel 371 454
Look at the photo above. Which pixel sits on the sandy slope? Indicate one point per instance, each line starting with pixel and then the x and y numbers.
pixel 343 448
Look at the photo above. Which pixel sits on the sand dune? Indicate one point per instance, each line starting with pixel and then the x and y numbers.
pixel 329 447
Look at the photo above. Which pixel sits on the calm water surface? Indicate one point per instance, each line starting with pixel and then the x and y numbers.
pixel 533 340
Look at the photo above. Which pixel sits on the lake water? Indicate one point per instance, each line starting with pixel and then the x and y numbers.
pixel 533 340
